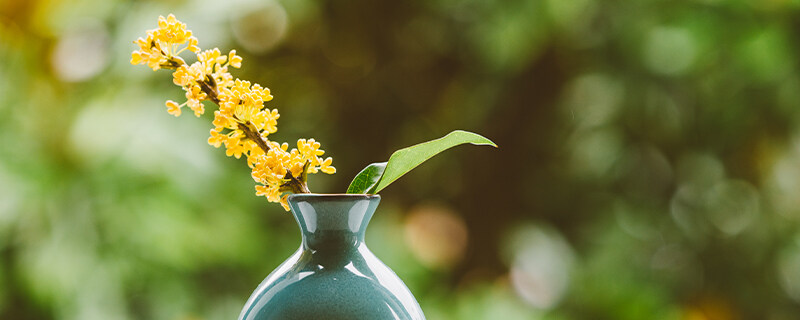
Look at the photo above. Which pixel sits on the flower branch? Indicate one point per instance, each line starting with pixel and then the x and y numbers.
pixel 241 122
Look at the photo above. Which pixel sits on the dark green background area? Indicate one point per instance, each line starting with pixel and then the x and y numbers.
pixel 649 160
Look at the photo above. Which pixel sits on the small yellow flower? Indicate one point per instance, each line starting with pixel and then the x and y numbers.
pixel 173 108
pixel 285 202
pixel 326 167
pixel 234 60
pixel 217 139
pixel 194 96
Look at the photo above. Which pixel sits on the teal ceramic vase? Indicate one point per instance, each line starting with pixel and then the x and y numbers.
pixel 333 275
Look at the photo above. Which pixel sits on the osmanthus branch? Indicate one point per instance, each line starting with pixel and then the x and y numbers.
pixel 209 87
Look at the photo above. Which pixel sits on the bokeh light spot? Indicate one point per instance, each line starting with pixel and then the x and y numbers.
pixel 593 99
pixel 261 28
pixel 594 152
pixel 541 261
pixel 81 54
pixel 783 185
pixel 733 206
pixel 436 235
pixel 669 50
pixel 789 270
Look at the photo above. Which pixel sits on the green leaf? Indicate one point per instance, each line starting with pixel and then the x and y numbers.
pixel 366 180
pixel 404 160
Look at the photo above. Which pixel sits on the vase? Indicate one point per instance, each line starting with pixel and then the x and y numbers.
pixel 333 275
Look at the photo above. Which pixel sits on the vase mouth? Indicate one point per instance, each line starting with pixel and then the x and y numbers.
pixel 332 196
pixel 336 218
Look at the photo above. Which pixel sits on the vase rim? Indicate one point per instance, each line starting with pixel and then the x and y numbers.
pixel 333 196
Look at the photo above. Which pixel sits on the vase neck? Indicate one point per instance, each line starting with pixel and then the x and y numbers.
pixel 332 222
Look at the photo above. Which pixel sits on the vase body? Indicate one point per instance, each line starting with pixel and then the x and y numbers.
pixel 333 275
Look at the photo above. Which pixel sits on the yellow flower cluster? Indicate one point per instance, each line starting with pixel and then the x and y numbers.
pixel 241 110
pixel 162 46
pixel 209 72
pixel 241 123
pixel 273 167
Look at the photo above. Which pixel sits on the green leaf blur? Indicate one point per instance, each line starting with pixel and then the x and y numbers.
pixel 650 156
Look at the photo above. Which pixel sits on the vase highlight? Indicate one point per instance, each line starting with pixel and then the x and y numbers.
pixel 333 275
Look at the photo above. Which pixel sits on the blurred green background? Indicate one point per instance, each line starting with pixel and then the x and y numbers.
pixel 649 160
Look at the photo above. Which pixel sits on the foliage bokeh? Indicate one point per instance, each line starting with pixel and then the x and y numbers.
pixel 649 161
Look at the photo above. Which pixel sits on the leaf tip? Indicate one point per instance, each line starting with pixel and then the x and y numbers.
pixel 482 141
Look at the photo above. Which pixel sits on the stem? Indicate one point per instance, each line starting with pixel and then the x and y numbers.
pixel 300 187
pixel 253 135
pixel 294 184
pixel 210 91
